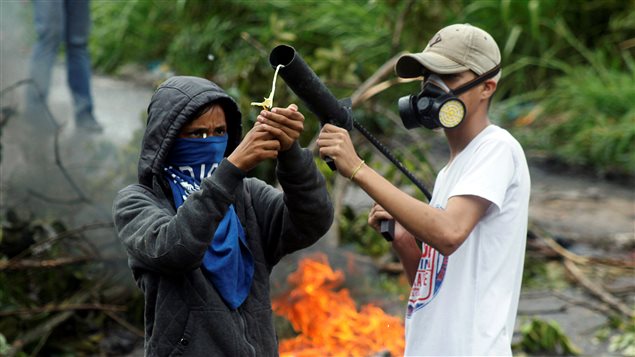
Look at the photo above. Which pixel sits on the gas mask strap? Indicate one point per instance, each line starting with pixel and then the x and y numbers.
pixel 478 80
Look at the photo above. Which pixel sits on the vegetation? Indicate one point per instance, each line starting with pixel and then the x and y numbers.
pixel 546 337
pixel 541 273
pixel 57 286
pixel 588 119
pixel 567 83
pixel 622 342
pixel 569 62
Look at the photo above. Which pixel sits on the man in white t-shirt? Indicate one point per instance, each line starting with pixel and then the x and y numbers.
pixel 463 252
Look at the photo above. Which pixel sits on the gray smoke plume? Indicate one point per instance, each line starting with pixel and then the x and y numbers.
pixel 48 170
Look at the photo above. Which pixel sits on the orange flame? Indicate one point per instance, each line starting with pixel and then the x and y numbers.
pixel 328 322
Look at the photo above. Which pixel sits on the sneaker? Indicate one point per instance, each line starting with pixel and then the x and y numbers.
pixel 89 125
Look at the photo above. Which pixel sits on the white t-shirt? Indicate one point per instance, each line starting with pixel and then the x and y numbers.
pixel 465 304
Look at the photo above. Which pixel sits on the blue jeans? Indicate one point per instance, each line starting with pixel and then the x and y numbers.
pixel 57 21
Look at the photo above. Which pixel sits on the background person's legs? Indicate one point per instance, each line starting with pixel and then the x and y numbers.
pixel 78 62
pixel 48 18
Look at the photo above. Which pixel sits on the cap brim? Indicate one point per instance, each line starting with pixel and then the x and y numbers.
pixel 415 64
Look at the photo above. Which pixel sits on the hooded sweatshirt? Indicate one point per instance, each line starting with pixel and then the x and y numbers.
pixel 184 314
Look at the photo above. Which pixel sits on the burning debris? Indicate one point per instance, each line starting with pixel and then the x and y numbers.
pixel 328 321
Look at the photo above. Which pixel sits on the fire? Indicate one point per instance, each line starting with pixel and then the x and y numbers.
pixel 328 321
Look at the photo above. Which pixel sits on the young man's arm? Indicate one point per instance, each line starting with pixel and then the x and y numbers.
pixel 444 230
pixel 405 244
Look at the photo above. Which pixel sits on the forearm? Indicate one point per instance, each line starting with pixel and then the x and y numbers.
pixel 304 187
pixel 299 215
pixel 443 229
pixel 409 254
pixel 429 225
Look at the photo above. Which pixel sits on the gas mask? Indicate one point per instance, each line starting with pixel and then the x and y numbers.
pixel 437 106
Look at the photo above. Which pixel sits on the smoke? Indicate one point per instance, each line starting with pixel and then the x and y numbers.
pixel 14 51
pixel 49 171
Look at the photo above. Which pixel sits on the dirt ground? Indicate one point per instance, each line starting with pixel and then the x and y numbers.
pixel 590 217
pixel 582 208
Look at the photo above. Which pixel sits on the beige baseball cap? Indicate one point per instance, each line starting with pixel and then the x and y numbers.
pixel 454 49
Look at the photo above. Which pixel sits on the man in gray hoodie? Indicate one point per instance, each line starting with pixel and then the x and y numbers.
pixel 201 237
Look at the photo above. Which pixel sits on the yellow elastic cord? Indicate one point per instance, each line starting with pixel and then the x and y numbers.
pixel 268 103
pixel 356 169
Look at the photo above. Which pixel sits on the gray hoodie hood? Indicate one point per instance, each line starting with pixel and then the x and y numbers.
pixel 174 104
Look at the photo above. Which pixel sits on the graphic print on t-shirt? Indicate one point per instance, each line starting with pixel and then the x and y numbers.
pixel 428 280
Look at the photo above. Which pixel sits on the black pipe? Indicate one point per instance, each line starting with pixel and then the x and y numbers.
pixel 310 89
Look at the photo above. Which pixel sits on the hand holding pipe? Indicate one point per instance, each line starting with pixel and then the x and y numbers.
pixel 310 89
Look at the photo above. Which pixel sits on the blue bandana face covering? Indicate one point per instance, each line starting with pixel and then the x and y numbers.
pixel 197 157
pixel 227 263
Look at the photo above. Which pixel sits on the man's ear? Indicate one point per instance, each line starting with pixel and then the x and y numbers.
pixel 489 87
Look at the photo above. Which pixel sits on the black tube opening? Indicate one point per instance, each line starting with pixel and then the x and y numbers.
pixel 283 55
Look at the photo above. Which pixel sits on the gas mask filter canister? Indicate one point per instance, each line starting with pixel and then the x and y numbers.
pixel 437 105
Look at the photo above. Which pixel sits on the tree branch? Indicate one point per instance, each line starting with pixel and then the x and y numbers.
pixel 358 96
pixel 124 323
pixel 63 235
pixel 396 35
pixel 45 328
pixel 600 308
pixel 563 252
pixel 26 264
pixel 61 307
pixel 596 290
pixel 62 201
